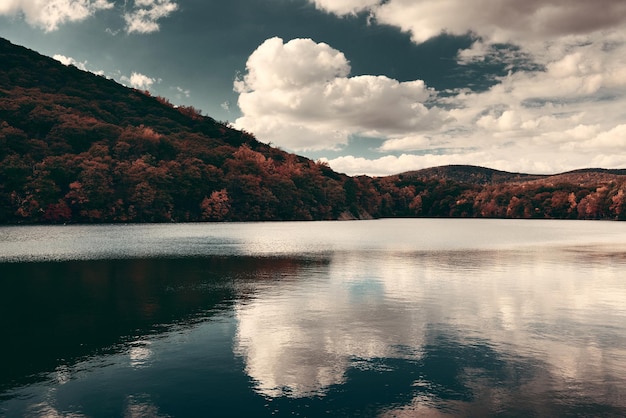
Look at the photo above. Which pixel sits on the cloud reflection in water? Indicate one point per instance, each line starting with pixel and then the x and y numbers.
pixel 542 317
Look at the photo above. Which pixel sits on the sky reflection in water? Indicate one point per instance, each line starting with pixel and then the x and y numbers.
pixel 336 323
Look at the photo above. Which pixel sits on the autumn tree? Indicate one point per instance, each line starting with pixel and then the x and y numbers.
pixel 216 206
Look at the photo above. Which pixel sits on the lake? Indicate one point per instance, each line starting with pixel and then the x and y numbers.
pixel 389 318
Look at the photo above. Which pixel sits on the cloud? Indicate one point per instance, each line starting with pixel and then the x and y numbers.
pixel 299 95
pixel 70 61
pixel 538 31
pixel 135 80
pixel 494 20
pixel 139 81
pixel 407 143
pixel 535 112
pixel 391 164
pixel 49 14
pixel 181 92
pixel 112 32
pixel 613 139
pixel 551 152
pixel 145 15
pixel 82 65
pixel 344 7
pixel 300 62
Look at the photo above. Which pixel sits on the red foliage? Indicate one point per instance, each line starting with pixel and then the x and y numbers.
pixel 57 212
pixel 215 207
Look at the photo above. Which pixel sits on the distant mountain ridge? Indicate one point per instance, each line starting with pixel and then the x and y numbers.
pixel 77 147
pixel 471 174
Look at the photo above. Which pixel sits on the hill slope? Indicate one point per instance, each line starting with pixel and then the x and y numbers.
pixel 470 174
pixel 77 147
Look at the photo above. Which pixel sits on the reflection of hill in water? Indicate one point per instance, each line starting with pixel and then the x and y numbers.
pixel 57 313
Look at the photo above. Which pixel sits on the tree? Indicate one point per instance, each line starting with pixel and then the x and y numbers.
pixel 57 212
pixel 618 204
pixel 215 207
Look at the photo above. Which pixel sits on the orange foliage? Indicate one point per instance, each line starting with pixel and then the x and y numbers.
pixel 215 207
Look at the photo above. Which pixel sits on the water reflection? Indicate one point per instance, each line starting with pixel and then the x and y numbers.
pixel 140 354
pixel 483 330
pixel 140 406
pixel 334 324
pixel 54 314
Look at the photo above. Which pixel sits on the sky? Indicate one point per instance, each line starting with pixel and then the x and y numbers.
pixel 373 87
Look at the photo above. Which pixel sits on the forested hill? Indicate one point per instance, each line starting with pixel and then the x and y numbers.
pixel 471 175
pixel 486 176
pixel 77 147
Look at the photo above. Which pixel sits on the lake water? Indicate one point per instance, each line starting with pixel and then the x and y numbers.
pixel 390 318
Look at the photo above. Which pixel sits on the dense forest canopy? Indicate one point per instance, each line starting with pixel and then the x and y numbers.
pixel 77 147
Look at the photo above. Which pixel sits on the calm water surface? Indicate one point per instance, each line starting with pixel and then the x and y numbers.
pixel 391 318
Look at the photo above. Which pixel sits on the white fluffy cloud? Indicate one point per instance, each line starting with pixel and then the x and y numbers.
pixel 70 61
pixel 145 16
pixel 139 81
pixel 615 139
pixel 78 64
pixel 299 95
pixel 49 14
pixel 566 117
pixel 300 62
pixel 566 113
pixel 343 7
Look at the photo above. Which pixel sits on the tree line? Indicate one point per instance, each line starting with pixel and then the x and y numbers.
pixel 136 174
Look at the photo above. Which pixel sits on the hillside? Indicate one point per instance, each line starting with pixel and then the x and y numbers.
pixel 77 147
pixel 470 174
